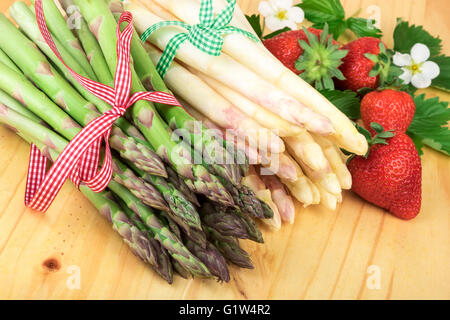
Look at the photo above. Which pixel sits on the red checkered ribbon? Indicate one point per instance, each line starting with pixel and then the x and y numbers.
pixel 80 159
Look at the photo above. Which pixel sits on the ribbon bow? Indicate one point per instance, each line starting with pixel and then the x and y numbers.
pixel 80 159
pixel 206 36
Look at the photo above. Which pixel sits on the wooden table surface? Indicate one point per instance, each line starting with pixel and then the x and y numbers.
pixel 324 255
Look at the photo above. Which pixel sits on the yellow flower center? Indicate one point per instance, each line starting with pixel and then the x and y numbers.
pixel 282 15
pixel 415 68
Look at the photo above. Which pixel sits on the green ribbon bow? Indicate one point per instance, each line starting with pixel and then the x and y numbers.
pixel 206 36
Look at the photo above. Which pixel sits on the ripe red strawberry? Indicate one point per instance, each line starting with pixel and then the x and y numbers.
pixel 310 53
pixel 286 48
pixel 392 109
pixel 357 66
pixel 391 176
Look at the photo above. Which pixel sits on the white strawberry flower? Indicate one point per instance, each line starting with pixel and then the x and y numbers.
pixel 280 14
pixel 416 69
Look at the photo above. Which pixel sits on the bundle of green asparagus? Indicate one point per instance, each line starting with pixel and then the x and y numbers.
pixel 174 212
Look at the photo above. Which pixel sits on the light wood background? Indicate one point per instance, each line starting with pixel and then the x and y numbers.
pixel 324 255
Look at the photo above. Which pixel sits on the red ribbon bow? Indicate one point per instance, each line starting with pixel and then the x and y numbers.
pixel 80 159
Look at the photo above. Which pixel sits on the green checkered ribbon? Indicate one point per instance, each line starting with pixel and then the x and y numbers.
pixel 206 36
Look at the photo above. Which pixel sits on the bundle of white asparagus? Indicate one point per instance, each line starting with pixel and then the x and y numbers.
pixel 287 126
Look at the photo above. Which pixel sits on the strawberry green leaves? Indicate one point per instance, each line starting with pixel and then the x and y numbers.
pixel 379 138
pixel 346 101
pixel 320 12
pixel 442 82
pixel 389 73
pixel 255 22
pixel 429 124
pixel 406 36
pixel 320 60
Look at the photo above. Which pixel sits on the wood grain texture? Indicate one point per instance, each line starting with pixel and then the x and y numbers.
pixel 324 255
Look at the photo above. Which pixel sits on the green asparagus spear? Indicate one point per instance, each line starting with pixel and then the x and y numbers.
pixel 252 228
pixel 163 265
pixel 146 192
pixel 135 239
pixel 141 242
pixel 29 25
pixel 54 143
pixel 229 248
pixel 169 241
pixel 211 257
pixel 7 61
pixel 90 44
pixel 180 269
pixel 12 103
pixel 37 68
pixel 102 23
pixel 182 211
pixel 176 180
pixel 17 86
pixel 177 118
pixel 224 222
pixel 58 26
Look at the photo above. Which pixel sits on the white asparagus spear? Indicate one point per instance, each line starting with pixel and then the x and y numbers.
pixel 261 61
pixel 280 196
pixel 157 9
pixel 226 70
pixel 282 165
pixel 255 184
pixel 266 118
pixel 334 156
pixel 327 180
pixel 303 189
pixel 304 148
pixel 327 199
pixel 252 153
pixel 200 96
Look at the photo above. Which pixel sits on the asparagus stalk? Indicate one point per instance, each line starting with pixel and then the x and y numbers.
pixel 135 238
pixel 144 191
pixel 212 258
pixel 282 199
pixel 163 265
pixel 177 118
pixel 103 25
pixel 176 180
pixel 183 272
pixel 29 25
pixel 90 45
pixel 7 61
pixel 223 222
pixel 37 68
pixel 253 181
pixel 182 211
pixel 207 101
pixel 15 105
pixel 260 61
pixel 58 26
pixel 225 69
pixel 229 248
pixel 336 160
pixel 17 86
pixel 172 225
pixel 252 228
pixel 140 240
pixel 54 143
pixel 168 240
pixel 266 118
